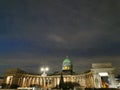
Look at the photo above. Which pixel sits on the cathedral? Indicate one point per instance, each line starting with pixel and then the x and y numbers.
pixel 100 75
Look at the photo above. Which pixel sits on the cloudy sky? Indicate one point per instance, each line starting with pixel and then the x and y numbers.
pixel 36 33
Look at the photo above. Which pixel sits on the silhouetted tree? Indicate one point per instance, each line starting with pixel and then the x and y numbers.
pixel 61 83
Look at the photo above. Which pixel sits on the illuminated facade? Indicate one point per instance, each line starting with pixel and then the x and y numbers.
pixel 99 76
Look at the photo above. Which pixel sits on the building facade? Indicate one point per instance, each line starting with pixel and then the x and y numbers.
pixel 101 75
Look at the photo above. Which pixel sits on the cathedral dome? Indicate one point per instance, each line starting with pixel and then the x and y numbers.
pixel 67 64
pixel 67 61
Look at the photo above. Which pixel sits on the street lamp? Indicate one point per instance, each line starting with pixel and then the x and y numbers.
pixel 44 70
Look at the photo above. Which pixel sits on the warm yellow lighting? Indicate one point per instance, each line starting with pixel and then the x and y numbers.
pixel 9 79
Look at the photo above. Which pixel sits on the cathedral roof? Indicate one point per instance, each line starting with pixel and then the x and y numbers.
pixel 66 60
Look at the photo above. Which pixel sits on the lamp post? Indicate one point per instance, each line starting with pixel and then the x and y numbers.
pixel 44 70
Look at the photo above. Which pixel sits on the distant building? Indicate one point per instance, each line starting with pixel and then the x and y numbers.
pixel 101 75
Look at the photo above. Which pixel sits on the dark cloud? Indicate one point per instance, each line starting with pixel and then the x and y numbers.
pixel 38 32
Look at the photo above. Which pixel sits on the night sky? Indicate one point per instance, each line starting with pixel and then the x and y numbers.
pixel 36 33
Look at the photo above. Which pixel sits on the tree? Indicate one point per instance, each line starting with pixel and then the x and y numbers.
pixel 61 84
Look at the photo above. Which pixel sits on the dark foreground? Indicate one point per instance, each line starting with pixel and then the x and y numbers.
pixel 102 89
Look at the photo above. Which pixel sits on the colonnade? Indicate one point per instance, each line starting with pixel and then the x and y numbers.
pixel 26 80
pixel 90 79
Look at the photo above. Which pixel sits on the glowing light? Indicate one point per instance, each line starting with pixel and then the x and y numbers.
pixel 44 70
pixel 103 74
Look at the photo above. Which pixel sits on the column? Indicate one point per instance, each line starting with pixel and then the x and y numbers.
pixel 97 80
pixel 55 83
pixel 112 80
pixel 30 81
pixel 40 81
pixel 21 81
